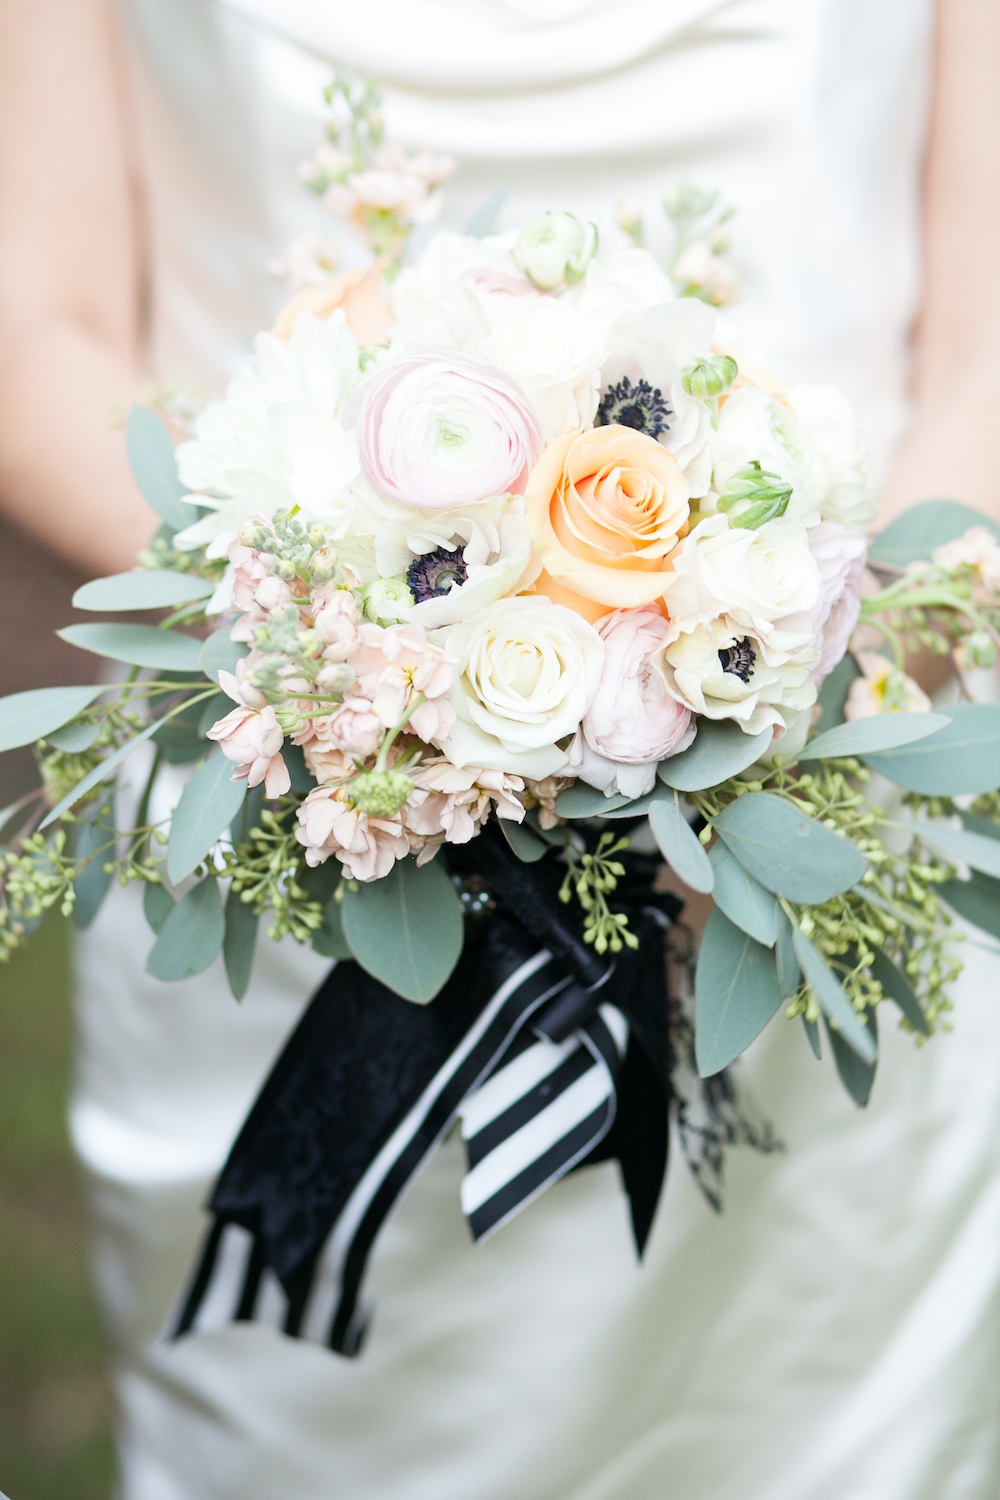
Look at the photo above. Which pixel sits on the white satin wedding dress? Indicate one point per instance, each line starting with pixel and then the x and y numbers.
pixel 833 1335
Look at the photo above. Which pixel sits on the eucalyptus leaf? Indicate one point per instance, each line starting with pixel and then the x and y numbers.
pixel 831 999
pixel 406 929
pixel 812 1037
pixel 976 823
pixel 638 808
pixel 298 771
pixel 720 750
pixel 583 801
pixel 142 588
pixel 736 993
pixel 977 900
pixel 157 904
pixel 914 535
pixel 208 805
pixel 787 851
pixel 137 645
pixel 879 732
pixel 26 717
pixel 101 772
pixel 94 833
pixel 181 741
pixel 219 653
pixel 329 940
pixel 789 972
pixel 74 738
pixel 211 711
pixel 963 758
pixel 525 844
pixel 679 846
pixel 896 985
pixel 857 1076
pixel 484 220
pixel 239 943
pixel 833 695
pixel 959 846
pixel 191 937
pixel 153 458
pixel 744 901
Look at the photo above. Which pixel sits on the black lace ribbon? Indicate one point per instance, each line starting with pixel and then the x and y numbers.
pixel 550 1057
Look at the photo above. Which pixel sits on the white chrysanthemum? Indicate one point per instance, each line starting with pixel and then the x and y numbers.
pixel 830 425
pixel 753 428
pixel 276 440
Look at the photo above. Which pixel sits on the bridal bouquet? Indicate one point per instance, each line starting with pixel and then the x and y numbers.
pixel 487 586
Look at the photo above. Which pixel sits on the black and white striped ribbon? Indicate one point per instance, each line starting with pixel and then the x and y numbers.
pixel 533 1082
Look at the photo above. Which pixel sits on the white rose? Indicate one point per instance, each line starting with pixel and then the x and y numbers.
pixel 758 577
pixel 754 428
pixel 721 669
pixel 553 250
pixel 828 422
pixel 553 351
pixel 527 670
pixel 434 300
pixel 457 562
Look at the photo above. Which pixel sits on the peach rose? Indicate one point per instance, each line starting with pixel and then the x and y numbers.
pixel 605 509
pixel 358 292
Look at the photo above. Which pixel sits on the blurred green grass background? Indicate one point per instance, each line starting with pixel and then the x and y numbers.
pixel 55 1403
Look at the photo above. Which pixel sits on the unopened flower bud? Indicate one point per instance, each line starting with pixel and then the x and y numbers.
pixel 386 600
pixel 555 249
pixel 289 718
pixel 380 794
pixel 711 376
pixel 335 677
pixel 976 651
pixel 753 497
pixel 323 565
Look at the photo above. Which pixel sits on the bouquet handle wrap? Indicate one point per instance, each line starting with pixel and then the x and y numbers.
pixel 549 1055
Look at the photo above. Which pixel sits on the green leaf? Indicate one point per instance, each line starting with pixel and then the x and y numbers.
pixel 26 717
pixel 142 588
pixel 525 844
pixel 914 535
pixel 484 220
pixel 787 851
pixel 976 823
pixel 75 737
pixel 961 847
pixel 299 774
pixel 720 750
pixel 137 645
pixel 101 772
pixel 789 972
pixel 181 741
pixel 896 985
pixel 239 943
pixel 96 831
pixel 157 904
pixel 153 458
pixel 736 993
pixel 831 999
pixel 856 1076
pixel 329 940
pixel 679 846
pixel 744 901
pixel 879 732
pixel 812 1037
pixel 833 694
pixel 583 801
pixel 406 929
pixel 219 653
pixel 211 711
pixel 208 805
pixel 638 808
pixel 192 935
pixel 977 900
pixel 963 758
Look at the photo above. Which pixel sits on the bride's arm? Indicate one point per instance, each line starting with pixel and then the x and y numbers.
pixel 952 450
pixel 68 284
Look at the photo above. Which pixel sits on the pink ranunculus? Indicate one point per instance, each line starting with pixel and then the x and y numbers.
pixel 252 740
pixel 840 555
pixel 366 847
pixel 440 430
pixel 633 722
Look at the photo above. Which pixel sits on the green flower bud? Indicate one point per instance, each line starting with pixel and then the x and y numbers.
pixel 380 794
pixel 555 249
pixel 289 718
pixel 977 650
pixel 386 600
pixel 711 376
pixel 754 497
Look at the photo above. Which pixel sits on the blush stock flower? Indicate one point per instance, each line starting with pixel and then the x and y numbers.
pixel 252 739
pixel 330 826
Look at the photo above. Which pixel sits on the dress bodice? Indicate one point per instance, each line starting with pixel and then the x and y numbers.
pixel 809 115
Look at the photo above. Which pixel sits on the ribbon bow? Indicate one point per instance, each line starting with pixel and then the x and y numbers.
pixel 547 1056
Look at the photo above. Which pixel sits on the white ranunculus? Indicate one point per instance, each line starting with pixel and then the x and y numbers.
pixel 527 670
pixel 758 577
pixel 457 562
pixel 828 422
pixel 276 440
pixel 554 250
pixel 752 427
pixel 553 351
pixel 723 670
